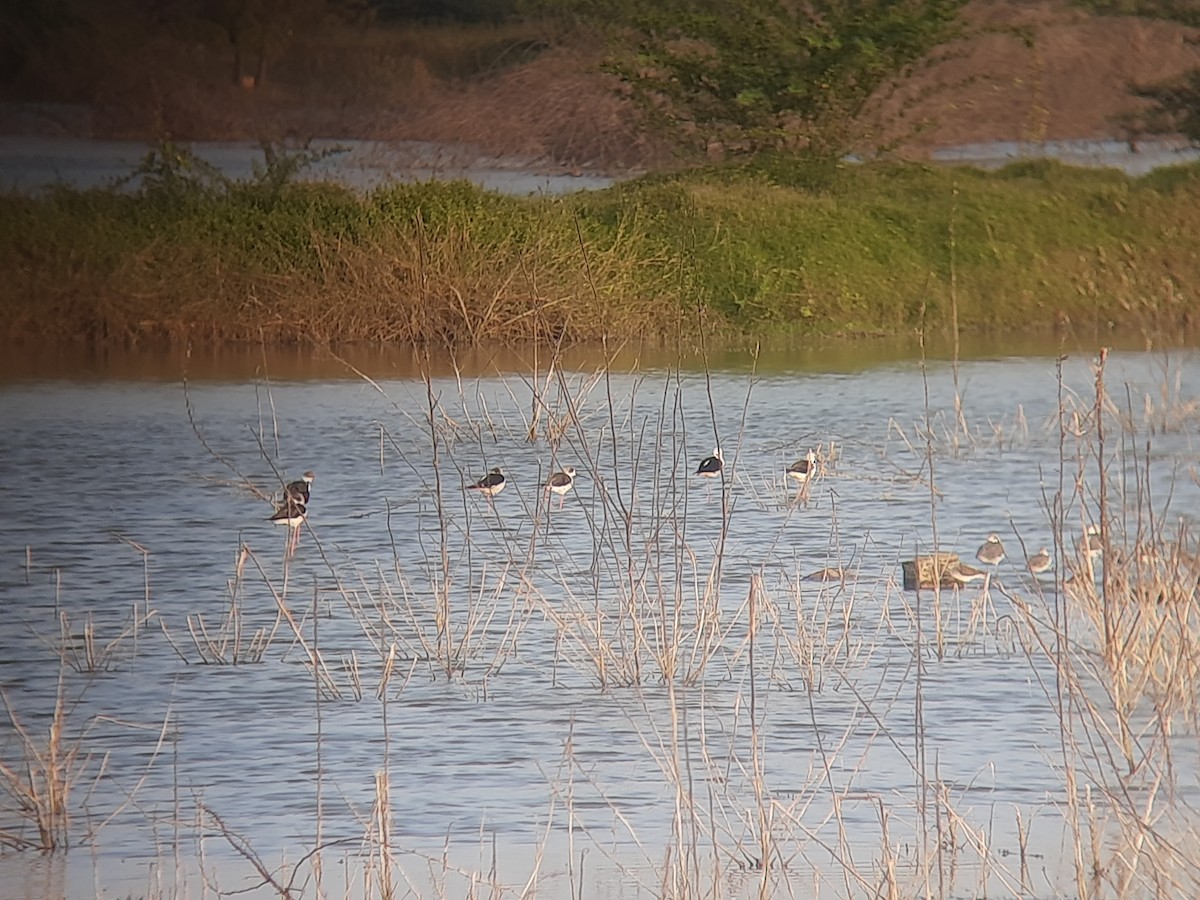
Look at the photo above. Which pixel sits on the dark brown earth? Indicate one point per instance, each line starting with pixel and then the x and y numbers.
pixel 1030 71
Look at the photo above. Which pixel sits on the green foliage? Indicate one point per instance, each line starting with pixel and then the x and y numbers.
pixel 760 248
pixel 172 173
pixel 761 74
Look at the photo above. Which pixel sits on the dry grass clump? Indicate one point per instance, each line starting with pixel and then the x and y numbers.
pixel 1121 636
pixel 38 779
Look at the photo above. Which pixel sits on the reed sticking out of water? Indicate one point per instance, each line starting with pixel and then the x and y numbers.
pixel 1123 637
pixel 711 666
pixel 39 783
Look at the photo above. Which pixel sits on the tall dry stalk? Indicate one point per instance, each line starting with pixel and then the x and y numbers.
pixel 1124 648
pixel 39 783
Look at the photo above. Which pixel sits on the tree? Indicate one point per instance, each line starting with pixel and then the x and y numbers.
pixel 767 73
pixel 260 30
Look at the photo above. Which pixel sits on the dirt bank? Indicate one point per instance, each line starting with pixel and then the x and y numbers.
pixel 1020 71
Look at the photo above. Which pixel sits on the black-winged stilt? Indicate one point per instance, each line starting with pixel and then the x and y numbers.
pixel 300 491
pixel 803 469
pixel 561 482
pixel 490 484
pixel 802 472
pixel 711 466
pixel 292 513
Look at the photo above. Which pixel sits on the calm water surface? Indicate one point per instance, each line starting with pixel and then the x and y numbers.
pixel 548 753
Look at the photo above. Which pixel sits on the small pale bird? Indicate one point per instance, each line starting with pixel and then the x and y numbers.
pixel 561 482
pixel 490 484
pixel 1041 561
pixel 1090 544
pixel 964 574
pixel 991 551
pixel 711 466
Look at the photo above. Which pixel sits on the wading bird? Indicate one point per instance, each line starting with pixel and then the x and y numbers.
pixel 490 484
pixel 1041 561
pixel 802 471
pixel 1090 544
pixel 991 551
pixel 292 513
pixel 300 491
pixel 561 482
pixel 711 466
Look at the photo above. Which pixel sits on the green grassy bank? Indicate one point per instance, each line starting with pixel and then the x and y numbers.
pixel 763 250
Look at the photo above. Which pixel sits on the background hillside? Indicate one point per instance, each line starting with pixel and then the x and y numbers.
pixel 1011 70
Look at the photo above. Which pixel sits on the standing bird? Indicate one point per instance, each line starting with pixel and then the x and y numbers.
pixel 490 484
pixel 711 466
pixel 292 509
pixel 561 482
pixel 1041 561
pixel 1090 545
pixel 991 551
pixel 293 513
pixel 802 471
pixel 300 491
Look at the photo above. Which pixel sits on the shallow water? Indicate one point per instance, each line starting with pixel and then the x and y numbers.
pixel 128 490
pixel 31 163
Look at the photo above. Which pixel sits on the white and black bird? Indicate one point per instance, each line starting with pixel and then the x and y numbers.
pixel 561 482
pixel 1041 561
pixel 991 551
pixel 292 508
pixel 802 470
pixel 301 490
pixel 293 513
pixel 490 484
pixel 711 466
pixel 1090 544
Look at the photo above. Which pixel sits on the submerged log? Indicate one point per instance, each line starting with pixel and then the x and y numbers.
pixel 932 569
